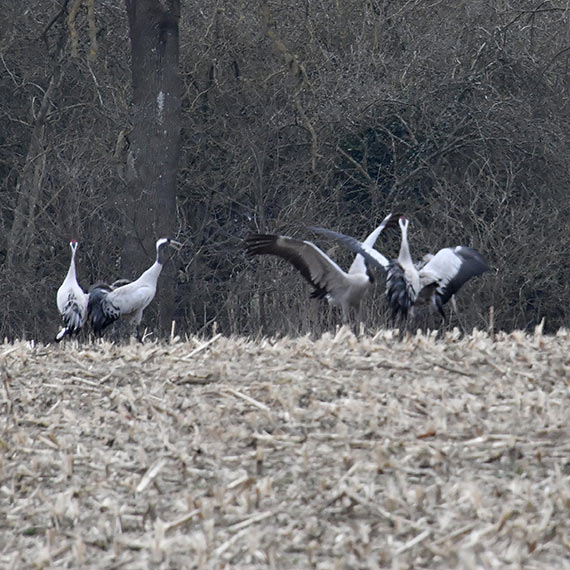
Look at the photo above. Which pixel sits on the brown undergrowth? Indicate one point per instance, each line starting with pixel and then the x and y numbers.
pixel 292 453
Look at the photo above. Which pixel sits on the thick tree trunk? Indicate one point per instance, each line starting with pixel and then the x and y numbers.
pixel 152 162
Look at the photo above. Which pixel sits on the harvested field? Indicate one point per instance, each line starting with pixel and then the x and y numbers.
pixel 287 454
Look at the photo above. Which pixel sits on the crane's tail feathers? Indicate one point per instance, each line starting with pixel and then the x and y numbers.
pixel 98 309
pixel 73 317
pixel 401 297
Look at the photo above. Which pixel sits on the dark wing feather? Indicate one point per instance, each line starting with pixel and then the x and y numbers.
pixel 281 246
pixel 72 316
pixel 371 257
pixel 72 319
pixel 101 311
pixel 472 265
pixel 287 248
pixel 398 291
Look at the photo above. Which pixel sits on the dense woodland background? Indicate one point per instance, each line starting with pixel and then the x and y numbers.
pixel 291 112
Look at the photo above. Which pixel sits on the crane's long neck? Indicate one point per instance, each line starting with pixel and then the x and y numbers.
pixel 411 274
pixel 152 273
pixel 71 273
pixel 160 255
pixel 405 258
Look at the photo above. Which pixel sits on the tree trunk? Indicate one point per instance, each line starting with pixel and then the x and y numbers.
pixel 152 161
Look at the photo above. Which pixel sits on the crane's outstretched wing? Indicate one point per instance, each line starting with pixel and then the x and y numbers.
pixel 372 257
pixel 313 264
pixel 359 263
pixel 451 268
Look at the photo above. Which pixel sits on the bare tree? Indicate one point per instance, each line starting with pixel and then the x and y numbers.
pixel 292 113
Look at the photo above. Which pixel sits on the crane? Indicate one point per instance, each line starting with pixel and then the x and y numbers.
pixel 109 303
pixel 71 300
pixel 340 288
pixel 409 285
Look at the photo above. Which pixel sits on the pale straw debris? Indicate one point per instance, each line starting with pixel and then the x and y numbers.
pixel 426 452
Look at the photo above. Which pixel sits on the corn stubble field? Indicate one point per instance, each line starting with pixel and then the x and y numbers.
pixel 293 453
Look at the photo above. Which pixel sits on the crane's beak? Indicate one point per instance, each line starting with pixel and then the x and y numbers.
pixel 393 220
pixel 175 244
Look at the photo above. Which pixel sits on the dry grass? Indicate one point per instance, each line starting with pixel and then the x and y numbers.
pixel 334 453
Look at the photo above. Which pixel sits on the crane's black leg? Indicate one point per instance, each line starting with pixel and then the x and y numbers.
pixel 395 317
pixel 358 321
pixel 445 322
pixel 439 307
pixel 455 310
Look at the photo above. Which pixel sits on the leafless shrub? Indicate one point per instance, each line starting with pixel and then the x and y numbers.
pixel 294 113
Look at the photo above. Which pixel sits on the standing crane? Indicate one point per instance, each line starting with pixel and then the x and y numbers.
pixel 109 303
pixel 71 300
pixel 340 288
pixel 409 285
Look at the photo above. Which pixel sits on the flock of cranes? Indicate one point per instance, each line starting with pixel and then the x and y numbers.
pixel 432 282
pixel 409 285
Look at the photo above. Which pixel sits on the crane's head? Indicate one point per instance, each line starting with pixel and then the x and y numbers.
pixel 403 221
pixel 73 244
pixel 162 243
pixel 168 241
pixel 391 221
